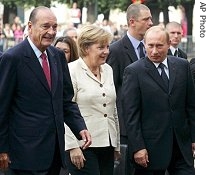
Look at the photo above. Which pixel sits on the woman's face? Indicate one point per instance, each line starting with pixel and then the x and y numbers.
pixel 98 53
pixel 64 47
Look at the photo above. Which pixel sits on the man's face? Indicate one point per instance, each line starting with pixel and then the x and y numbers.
pixel 175 35
pixel 156 46
pixel 143 23
pixel 43 31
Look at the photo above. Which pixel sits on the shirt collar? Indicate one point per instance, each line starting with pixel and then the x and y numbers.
pixel 165 62
pixel 173 49
pixel 134 41
pixel 35 49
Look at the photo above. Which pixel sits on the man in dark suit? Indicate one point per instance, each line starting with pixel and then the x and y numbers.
pixel 175 33
pixel 159 106
pixel 125 51
pixel 36 98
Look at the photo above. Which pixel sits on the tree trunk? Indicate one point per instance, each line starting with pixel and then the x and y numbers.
pixel 165 14
pixel 92 12
pixel 189 15
pixel 9 13
pixel 155 11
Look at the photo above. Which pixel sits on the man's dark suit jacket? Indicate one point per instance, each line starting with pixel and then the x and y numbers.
pixel 152 114
pixel 121 55
pixel 192 67
pixel 181 53
pixel 31 115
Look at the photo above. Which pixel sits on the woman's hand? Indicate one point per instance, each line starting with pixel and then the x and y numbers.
pixel 77 157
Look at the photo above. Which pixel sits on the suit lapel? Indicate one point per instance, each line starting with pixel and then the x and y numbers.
pixel 169 52
pixel 53 69
pixel 87 70
pixel 153 72
pixel 128 48
pixel 172 72
pixel 33 63
pixel 181 54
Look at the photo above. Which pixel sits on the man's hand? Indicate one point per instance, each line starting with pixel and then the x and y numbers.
pixel 86 137
pixel 4 161
pixel 141 157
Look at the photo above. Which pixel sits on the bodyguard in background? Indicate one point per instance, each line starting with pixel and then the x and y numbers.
pixel 125 51
pixel 36 98
pixel 175 33
pixel 159 106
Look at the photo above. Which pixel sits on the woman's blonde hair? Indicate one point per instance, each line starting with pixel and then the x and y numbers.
pixel 92 34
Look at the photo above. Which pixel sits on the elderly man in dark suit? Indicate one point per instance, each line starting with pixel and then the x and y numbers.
pixel 36 98
pixel 159 106
pixel 175 33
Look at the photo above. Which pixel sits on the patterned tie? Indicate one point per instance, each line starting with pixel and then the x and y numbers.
pixel 141 50
pixel 163 75
pixel 46 68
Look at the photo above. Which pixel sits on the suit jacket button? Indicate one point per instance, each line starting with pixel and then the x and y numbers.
pixel 103 94
pixel 105 115
pixel 104 105
pixel 101 85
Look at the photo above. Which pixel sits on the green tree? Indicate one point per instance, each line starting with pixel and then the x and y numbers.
pixel 96 7
pixel 162 5
pixel 29 3
pixel 10 7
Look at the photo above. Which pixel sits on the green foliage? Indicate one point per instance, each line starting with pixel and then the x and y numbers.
pixel 103 5
pixel 26 3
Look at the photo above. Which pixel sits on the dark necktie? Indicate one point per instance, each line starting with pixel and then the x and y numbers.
pixel 176 53
pixel 141 50
pixel 46 68
pixel 163 75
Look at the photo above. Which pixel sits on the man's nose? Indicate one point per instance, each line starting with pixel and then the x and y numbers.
pixel 154 50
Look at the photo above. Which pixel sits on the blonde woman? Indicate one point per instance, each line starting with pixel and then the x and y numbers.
pixel 94 92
